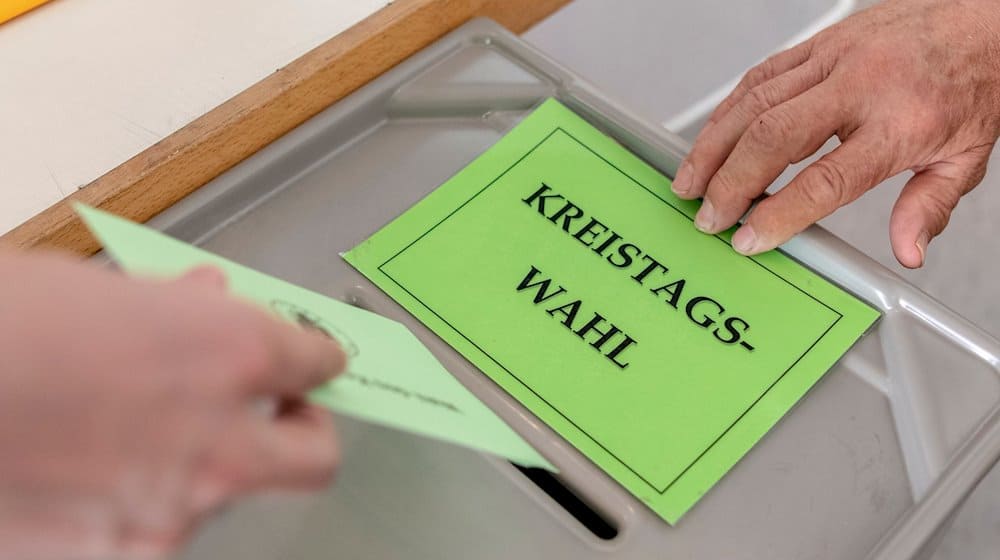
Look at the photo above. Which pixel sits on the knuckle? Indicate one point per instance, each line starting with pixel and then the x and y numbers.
pixel 827 186
pixel 756 75
pixel 836 44
pixel 731 101
pixel 766 69
pixel 741 88
pixel 938 206
pixel 759 99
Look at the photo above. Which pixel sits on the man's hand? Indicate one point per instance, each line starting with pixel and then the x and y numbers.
pixel 908 84
pixel 131 409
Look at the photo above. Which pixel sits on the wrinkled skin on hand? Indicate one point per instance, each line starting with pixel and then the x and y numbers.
pixel 905 85
pixel 130 410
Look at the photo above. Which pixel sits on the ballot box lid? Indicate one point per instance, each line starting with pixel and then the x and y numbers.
pixel 871 463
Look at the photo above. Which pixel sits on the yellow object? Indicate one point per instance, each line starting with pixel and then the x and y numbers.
pixel 9 9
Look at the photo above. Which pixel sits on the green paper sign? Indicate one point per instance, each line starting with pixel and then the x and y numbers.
pixel 391 380
pixel 565 269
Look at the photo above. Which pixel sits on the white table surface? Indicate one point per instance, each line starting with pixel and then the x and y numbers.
pixel 87 84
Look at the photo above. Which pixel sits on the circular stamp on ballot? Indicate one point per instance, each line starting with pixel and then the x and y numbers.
pixel 309 320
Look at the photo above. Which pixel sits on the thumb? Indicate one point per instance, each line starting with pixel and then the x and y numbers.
pixel 925 204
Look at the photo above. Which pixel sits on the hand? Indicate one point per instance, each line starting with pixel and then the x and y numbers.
pixel 131 409
pixel 908 84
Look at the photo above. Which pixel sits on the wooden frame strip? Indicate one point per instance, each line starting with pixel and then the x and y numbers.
pixel 182 162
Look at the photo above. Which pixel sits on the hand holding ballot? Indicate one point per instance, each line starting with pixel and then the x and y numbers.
pixel 130 409
pixel 906 85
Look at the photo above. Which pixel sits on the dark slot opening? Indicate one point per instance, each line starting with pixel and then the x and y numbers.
pixel 576 507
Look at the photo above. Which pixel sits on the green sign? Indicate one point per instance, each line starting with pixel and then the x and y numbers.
pixel 564 268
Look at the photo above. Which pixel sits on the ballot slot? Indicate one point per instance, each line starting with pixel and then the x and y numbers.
pixel 551 485
pixel 567 499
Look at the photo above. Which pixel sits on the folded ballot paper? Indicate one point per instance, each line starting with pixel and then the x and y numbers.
pixel 391 380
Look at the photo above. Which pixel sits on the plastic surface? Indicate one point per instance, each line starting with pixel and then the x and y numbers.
pixel 689 57
pixel 872 463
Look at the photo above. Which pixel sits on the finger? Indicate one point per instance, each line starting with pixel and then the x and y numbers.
pixel 205 275
pixel 715 144
pixel 781 136
pixel 925 204
pixel 836 179
pixel 298 450
pixel 773 66
pixel 303 360
pixel 295 449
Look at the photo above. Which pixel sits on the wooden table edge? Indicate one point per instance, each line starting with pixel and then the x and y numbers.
pixel 176 166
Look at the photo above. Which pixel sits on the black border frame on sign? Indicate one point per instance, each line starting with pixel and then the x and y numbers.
pixel 528 387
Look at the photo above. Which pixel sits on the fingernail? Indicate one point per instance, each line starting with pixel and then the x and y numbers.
pixel 208 276
pixel 922 240
pixel 745 240
pixel 682 182
pixel 704 220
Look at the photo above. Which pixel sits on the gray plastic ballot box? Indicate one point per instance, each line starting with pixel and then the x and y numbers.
pixel 872 463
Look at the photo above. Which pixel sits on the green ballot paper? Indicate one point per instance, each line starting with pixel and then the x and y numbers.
pixel 392 379
pixel 564 268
